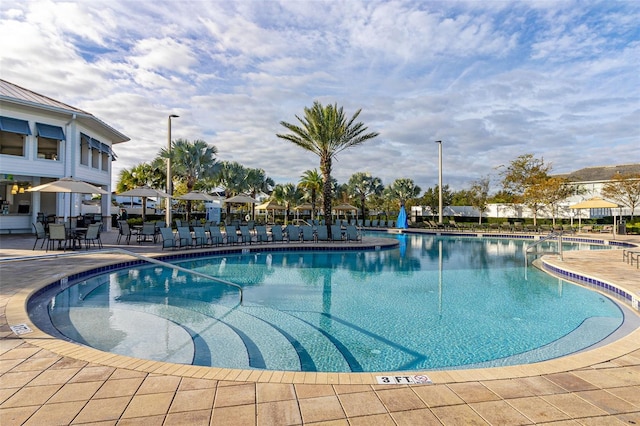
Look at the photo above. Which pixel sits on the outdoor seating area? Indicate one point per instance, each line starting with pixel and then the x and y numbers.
pixel 66 235
pixel 208 235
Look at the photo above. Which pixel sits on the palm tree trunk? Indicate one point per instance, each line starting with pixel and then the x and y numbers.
pixel 325 169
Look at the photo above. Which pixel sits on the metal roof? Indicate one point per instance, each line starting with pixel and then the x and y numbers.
pixel 602 173
pixel 13 93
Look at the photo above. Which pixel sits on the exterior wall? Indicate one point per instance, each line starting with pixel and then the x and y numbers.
pixel 32 170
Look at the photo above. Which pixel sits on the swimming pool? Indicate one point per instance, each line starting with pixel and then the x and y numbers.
pixel 432 303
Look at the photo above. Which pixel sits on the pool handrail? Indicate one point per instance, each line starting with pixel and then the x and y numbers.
pixel 146 259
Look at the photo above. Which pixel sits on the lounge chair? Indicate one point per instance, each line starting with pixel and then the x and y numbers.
pixel 607 229
pixel 276 233
pixel 293 233
pixel 307 233
pixel 216 236
pixel 261 234
pixel 231 235
pixel 247 237
pixel 336 233
pixel 168 239
pixel 352 233
pixel 185 238
pixel 374 223
pixel 200 236
pixel 322 234
pixel 367 223
pixel 147 233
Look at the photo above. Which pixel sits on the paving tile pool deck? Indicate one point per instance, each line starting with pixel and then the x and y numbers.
pixel 45 381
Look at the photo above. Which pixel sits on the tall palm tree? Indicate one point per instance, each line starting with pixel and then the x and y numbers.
pixel 325 131
pixel 257 181
pixel 311 183
pixel 402 190
pixel 362 185
pixel 192 161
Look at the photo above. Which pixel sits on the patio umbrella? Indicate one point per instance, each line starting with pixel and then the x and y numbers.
pixel 197 196
pixel 594 203
pixel 402 219
pixel 144 192
pixel 68 185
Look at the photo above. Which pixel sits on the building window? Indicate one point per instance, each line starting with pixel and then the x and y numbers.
pixel 84 149
pixel 48 149
pixel 11 144
pixel 12 136
pixel 49 138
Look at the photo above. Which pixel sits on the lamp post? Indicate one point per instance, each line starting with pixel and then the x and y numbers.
pixel 169 177
pixel 439 181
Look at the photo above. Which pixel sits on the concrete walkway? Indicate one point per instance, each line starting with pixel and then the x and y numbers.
pixel 44 381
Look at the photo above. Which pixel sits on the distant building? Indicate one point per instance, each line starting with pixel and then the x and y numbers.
pixel 590 181
pixel 42 140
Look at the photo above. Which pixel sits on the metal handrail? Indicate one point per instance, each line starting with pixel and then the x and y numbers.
pixel 141 257
pixel 554 234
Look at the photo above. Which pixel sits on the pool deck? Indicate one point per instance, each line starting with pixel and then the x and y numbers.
pixel 47 381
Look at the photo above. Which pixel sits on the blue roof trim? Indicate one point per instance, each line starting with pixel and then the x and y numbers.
pixel 14 125
pixel 49 131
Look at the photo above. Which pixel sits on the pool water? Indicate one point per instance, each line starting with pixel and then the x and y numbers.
pixel 432 303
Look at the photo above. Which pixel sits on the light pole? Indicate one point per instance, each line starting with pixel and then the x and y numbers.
pixel 439 181
pixel 169 177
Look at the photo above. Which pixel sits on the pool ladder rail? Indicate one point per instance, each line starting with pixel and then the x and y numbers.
pixel 555 235
pixel 138 256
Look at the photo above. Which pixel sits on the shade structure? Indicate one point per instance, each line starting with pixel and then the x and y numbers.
pixel 241 199
pixel 197 196
pixel 345 207
pixel 594 203
pixel 270 205
pixel 402 222
pixel 305 206
pixel 145 192
pixel 68 185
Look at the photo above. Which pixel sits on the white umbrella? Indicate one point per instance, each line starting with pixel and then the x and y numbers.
pixel 144 192
pixel 197 196
pixel 68 185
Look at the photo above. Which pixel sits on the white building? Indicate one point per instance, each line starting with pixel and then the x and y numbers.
pixel 590 182
pixel 43 140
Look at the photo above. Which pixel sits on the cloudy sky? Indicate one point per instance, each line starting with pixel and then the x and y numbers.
pixel 491 79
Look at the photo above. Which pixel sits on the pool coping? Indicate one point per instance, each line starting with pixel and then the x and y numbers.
pixel 16 314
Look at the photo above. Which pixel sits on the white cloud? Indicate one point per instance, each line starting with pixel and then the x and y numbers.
pixel 493 80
